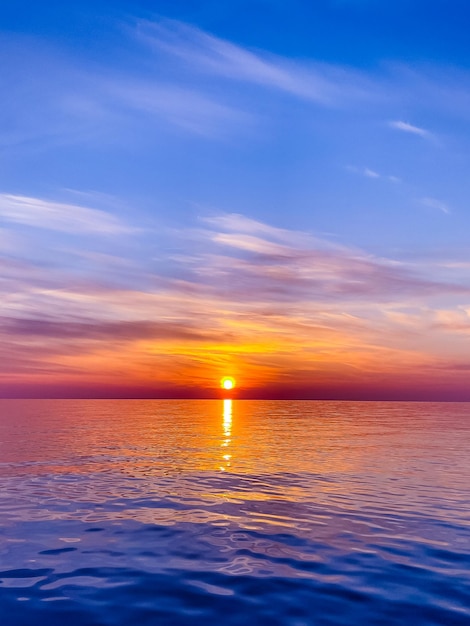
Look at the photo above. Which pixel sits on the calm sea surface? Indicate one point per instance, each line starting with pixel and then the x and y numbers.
pixel 135 513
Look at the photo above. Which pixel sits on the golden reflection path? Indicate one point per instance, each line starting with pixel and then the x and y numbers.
pixel 227 433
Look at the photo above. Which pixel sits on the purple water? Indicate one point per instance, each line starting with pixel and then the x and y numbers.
pixel 203 512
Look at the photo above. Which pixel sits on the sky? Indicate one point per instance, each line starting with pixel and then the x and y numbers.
pixel 270 190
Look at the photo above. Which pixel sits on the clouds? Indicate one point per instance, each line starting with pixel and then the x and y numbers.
pixel 435 204
pixel 416 87
pixel 276 263
pixel 410 128
pixel 270 303
pixel 230 223
pixel 87 330
pixel 101 103
pixel 249 262
pixel 63 217
pixel 372 174
pixel 184 108
pixel 320 82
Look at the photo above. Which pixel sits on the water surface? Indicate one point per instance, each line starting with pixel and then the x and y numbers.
pixel 234 512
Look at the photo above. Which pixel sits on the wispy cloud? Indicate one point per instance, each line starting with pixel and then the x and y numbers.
pixel 292 269
pixel 409 128
pixel 433 203
pixel 186 108
pixel 311 80
pixel 68 218
pixel 235 222
pixel 80 103
pixel 318 82
pixel 370 173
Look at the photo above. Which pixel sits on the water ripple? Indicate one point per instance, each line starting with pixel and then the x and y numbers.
pixel 123 513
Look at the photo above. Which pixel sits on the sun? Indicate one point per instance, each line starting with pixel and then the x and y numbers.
pixel 227 383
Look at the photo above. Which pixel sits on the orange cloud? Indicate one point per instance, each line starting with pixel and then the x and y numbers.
pixel 285 313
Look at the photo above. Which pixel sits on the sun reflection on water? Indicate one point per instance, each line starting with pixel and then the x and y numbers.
pixel 227 432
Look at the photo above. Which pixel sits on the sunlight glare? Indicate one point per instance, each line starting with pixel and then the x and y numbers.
pixel 227 426
pixel 227 383
pixel 227 419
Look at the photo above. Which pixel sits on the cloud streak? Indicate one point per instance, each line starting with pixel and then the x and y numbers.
pixel 409 128
pixel 317 82
pixel 432 203
pixel 370 173
pixel 63 217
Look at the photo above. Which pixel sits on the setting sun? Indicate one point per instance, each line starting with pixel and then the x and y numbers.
pixel 227 382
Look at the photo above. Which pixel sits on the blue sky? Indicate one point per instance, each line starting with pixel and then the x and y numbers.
pixel 145 146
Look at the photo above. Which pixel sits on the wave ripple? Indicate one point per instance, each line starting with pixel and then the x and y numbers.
pixel 289 513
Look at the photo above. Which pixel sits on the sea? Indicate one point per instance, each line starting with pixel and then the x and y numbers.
pixel 227 512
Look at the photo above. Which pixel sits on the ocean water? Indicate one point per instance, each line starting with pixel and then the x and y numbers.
pixel 134 513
